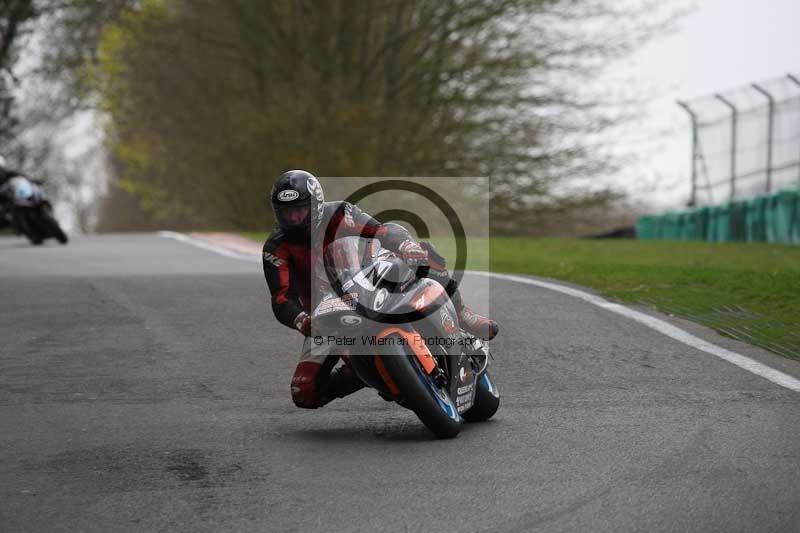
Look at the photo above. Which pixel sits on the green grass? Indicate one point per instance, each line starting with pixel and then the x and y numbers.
pixel 747 291
pixel 750 292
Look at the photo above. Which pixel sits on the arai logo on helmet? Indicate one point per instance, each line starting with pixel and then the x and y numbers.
pixel 288 195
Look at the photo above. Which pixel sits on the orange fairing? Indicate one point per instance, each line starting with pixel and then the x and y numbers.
pixel 385 376
pixel 414 340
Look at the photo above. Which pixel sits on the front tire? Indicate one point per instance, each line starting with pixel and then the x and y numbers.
pixel 432 405
pixel 487 400
pixel 55 229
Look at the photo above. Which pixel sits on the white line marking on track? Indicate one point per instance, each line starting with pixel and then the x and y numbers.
pixel 206 246
pixel 661 326
pixel 674 332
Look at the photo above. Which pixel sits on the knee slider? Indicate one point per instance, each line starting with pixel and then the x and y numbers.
pixel 304 396
pixel 304 383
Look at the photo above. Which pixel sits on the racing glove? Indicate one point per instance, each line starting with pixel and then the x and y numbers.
pixel 303 324
pixel 412 253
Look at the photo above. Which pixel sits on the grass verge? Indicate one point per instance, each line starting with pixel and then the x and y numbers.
pixel 750 292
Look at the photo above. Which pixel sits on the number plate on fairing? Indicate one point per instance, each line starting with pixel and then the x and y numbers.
pixel 463 384
pixel 332 304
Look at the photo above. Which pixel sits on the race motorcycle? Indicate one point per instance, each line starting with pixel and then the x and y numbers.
pixel 28 212
pixel 399 332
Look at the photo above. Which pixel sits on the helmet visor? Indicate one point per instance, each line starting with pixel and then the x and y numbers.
pixel 293 216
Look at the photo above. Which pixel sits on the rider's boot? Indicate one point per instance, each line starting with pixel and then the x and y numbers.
pixel 470 321
pixel 475 324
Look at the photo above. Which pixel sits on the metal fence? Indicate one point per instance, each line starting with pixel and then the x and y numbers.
pixel 745 142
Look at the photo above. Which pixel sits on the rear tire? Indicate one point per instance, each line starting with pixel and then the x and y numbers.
pixel 487 400
pixel 26 224
pixel 432 405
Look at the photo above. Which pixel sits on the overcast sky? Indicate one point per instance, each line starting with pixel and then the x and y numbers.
pixel 722 44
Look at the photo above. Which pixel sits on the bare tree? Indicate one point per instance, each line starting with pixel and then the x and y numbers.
pixel 208 100
pixel 15 23
pixel 52 103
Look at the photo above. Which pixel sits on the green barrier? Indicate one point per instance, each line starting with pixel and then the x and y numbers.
pixel 774 218
pixel 646 228
pixel 721 222
pixel 701 216
pixel 670 227
pixel 756 219
pixel 795 224
pixel 781 217
pixel 771 218
pixel 738 221
pixel 711 224
pixel 687 228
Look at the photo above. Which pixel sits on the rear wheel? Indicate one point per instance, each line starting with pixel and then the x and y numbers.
pixel 430 403
pixel 25 223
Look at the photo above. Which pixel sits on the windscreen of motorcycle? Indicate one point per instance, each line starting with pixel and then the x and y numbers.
pixel 341 259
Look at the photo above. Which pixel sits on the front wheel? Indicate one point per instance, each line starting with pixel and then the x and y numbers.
pixel 487 400
pixel 55 229
pixel 432 405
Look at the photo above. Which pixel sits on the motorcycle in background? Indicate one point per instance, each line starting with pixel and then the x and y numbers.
pixel 28 212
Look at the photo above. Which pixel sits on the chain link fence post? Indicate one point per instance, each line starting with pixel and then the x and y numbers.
pixel 693 116
pixel 770 132
pixel 797 82
pixel 734 130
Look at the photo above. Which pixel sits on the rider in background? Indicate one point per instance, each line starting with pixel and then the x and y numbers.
pixel 300 209
pixel 5 175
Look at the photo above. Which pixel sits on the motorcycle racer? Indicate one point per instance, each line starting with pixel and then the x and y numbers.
pixel 301 216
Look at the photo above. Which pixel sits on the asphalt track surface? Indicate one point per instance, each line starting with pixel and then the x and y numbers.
pixel 144 387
